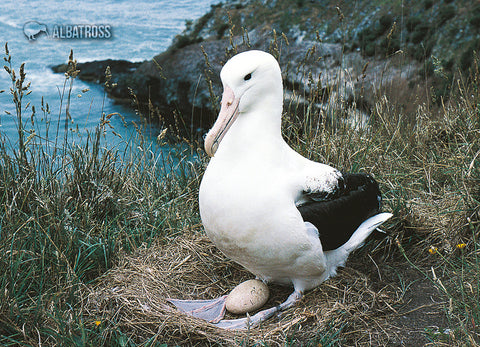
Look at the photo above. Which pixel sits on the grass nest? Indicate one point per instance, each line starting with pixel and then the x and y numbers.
pixel 360 302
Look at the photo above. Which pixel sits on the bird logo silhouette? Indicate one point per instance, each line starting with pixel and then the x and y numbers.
pixel 33 29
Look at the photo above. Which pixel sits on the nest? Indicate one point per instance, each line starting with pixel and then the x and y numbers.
pixel 132 297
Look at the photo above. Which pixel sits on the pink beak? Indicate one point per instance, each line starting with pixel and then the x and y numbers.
pixel 226 117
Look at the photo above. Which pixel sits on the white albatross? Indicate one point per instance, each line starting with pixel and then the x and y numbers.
pixel 283 217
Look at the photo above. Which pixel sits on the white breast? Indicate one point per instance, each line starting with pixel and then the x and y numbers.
pixel 248 210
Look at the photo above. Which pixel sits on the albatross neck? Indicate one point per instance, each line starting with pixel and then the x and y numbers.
pixel 255 129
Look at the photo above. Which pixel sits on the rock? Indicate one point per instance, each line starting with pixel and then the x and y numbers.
pixel 247 297
pixel 309 39
pixel 175 81
pixel 94 71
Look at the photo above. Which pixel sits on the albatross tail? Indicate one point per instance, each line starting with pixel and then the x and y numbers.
pixel 339 256
pixel 364 230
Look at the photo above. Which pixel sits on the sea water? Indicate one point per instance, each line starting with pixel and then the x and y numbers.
pixel 138 30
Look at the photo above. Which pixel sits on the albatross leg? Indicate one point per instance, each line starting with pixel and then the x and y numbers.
pixel 212 311
pixel 256 319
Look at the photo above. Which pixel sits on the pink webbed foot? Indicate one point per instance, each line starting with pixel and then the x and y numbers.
pixel 259 317
pixel 212 311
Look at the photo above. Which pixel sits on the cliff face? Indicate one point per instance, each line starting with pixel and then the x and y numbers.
pixel 353 49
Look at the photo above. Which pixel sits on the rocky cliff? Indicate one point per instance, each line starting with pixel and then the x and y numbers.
pixel 353 50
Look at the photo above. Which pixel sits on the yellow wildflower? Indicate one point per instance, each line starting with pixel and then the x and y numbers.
pixel 432 250
pixel 97 323
pixel 461 245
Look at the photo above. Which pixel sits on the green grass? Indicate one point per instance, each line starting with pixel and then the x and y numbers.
pixel 70 211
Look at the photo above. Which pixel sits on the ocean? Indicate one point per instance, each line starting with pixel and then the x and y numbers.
pixel 95 30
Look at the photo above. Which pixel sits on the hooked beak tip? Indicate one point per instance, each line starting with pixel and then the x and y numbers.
pixel 226 117
pixel 210 151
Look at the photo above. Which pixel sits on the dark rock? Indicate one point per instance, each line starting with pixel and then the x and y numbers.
pixel 94 71
pixel 181 82
pixel 176 81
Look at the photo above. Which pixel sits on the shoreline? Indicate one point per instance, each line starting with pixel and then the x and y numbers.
pixel 382 50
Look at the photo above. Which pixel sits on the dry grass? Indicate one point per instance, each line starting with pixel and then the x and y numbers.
pixel 132 297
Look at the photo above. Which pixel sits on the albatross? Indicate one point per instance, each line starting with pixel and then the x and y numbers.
pixel 283 217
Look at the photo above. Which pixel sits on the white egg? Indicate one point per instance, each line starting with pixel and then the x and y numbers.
pixel 247 297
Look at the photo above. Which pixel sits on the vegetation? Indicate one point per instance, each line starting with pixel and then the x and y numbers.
pixel 69 211
pixel 93 238
pixel 440 35
pixel 433 25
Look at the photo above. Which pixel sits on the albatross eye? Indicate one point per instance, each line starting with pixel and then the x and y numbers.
pixel 247 77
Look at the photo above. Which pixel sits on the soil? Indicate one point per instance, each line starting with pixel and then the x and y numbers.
pixel 421 308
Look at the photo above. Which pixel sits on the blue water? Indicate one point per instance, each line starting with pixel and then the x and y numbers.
pixel 140 30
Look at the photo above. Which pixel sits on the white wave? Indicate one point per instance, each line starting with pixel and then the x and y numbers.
pixel 8 21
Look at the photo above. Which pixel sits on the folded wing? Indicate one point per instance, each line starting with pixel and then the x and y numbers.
pixel 337 217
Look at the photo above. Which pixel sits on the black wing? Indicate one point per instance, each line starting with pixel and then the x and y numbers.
pixel 338 218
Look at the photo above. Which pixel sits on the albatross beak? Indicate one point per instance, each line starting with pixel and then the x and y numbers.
pixel 226 117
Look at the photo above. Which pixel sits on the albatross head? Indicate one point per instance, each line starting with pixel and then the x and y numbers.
pixel 252 85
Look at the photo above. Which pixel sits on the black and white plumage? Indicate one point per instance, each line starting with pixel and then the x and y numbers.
pixel 283 217
pixel 337 218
